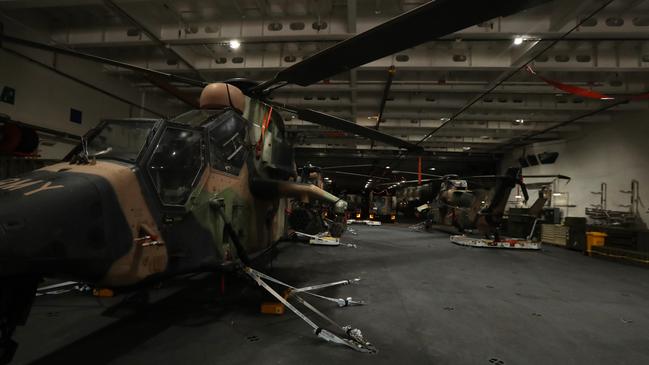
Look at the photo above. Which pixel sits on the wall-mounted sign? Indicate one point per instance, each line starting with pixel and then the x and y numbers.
pixel 8 95
pixel 76 116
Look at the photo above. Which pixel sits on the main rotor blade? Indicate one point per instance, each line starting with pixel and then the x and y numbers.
pixel 166 86
pixel 560 177
pixel 345 167
pixel 355 174
pixel 526 195
pixel 406 182
pixel 386 93
pixel 106 61
pixel 487 177
pixel 399 172
pixel 346 126
pixel 384 98
pixel 422 24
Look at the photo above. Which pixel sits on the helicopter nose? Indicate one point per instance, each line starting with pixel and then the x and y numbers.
pixel 60 223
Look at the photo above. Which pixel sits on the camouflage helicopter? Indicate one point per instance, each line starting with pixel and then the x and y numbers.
pixel 460 208
pixel 313 217
pixel 141 200
pixel 480 208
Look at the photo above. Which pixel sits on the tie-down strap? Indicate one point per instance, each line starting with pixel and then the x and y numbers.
pixel 354 336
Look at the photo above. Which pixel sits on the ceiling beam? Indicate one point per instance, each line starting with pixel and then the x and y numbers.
pixel 166 48
pixel 352 13
pixel 565 11
pixel 255 30
pixel 590 57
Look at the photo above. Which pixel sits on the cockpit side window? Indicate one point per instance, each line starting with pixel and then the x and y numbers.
pixel 176 164
pixel 121 140
pixel 227 145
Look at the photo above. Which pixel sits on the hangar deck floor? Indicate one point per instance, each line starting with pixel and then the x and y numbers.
pixel 430 302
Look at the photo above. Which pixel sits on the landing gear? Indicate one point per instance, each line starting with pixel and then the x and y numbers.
pixel 16 298
pixel 496 236
pixel 306 220
pixel 336 229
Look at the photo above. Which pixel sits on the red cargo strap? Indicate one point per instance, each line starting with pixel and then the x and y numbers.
pixel 264 127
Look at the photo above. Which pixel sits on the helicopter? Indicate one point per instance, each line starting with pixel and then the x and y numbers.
pixel 459 208
pixel 478 202
pixel 480 208
pixel 141 200
pixel 313 217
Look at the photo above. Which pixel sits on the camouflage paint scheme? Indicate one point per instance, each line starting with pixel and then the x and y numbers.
pixel 480 208
pixel 137 238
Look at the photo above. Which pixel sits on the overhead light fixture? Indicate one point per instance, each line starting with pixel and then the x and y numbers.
pixel 607 98
pixel 518 41
pixel 234 44
pixel 519 121
pixel 387 167
pixel 466 148
pixel 444 119
pixel 432 169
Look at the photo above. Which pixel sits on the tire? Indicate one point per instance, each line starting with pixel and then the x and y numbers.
pixel 336 229
pixel 299 219
pixel 305 220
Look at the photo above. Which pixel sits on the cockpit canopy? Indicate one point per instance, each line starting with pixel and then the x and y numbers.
pixel 174 153
pixel 121 140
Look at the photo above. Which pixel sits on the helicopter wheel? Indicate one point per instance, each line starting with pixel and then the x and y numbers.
pixel 459 227
pixel 496 236
pixel 336 229
pixel 305 220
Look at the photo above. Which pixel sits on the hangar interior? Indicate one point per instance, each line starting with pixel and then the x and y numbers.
pixel 486 180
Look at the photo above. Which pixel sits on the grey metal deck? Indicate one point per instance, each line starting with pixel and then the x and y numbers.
pixel 431 302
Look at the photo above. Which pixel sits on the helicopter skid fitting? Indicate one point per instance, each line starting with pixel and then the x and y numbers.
pixel 419 227
pixel 353 337
pixel 366 222
pixel 518 244
pixel 324 240
pixel 61 288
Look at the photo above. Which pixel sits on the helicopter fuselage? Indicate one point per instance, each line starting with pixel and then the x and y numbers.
pixel 116 223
